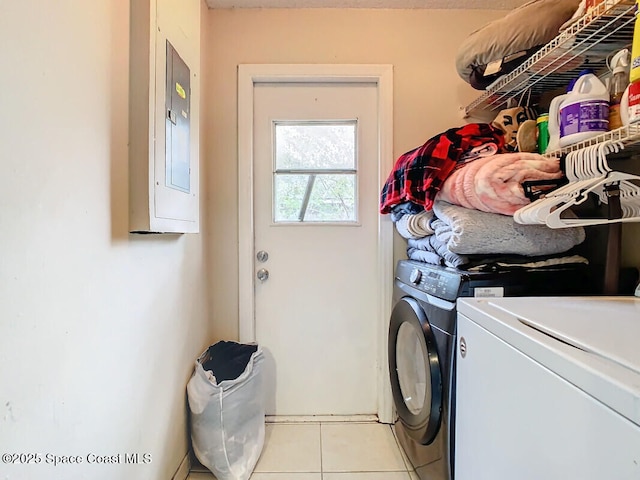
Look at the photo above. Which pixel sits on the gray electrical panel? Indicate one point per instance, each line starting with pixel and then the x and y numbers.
pixel 177 132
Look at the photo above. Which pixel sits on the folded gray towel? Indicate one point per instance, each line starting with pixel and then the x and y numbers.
pixel 433 245
pixel 424 256
pixel 473 232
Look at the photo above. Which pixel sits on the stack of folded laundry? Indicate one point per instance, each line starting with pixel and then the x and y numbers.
pixel 467 167
pixel 418 175
pixel 470 239
pixel 453 199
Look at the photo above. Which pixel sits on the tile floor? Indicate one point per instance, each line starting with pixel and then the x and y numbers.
pixel 327 451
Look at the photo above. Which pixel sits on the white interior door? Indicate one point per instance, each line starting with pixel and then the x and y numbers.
pixel 315 288
pixel 315 215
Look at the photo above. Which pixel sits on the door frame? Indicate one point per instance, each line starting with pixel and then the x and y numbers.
pixel 380 75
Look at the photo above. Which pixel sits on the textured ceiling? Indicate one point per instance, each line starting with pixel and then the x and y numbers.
pixel 427 4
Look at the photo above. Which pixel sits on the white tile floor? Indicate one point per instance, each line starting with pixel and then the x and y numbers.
pixel 328 451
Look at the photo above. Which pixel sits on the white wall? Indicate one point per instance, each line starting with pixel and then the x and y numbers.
pixel 420 44
pixel 98 328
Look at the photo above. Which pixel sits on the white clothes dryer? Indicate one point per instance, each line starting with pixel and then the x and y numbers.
pixel 548 388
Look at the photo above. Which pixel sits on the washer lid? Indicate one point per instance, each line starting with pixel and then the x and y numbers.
pixel 608 327
pixel 592 342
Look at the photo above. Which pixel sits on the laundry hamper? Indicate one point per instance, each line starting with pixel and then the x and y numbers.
pixel 227 409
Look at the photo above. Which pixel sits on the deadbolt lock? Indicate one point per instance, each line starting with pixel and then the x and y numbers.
pixel 263 274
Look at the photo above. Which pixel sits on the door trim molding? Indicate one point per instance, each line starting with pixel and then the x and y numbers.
pixel 381 75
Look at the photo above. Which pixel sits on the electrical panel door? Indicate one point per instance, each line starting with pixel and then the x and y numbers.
pixel 164 113
pixel 178 95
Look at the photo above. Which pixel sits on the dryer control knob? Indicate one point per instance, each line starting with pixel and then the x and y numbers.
pixel 416 276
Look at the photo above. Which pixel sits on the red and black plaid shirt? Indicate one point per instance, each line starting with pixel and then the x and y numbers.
pixel 418 175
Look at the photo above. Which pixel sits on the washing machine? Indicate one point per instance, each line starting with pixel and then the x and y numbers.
pixel 548 389
pixel 422 340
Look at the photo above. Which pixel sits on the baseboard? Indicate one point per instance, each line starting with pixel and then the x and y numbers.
pixel 183 470
pixel 320 418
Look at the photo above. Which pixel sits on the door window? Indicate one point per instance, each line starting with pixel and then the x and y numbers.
pixel 315 172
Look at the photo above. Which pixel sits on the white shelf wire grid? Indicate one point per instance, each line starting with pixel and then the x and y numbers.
pixel 628 135
pixel 586 43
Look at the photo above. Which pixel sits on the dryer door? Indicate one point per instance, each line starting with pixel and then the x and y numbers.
pixel 414 368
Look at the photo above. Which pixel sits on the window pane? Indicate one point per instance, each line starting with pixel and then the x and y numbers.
pixel 332 199
pixel 315 146
pixel 289 195
pixel 315 198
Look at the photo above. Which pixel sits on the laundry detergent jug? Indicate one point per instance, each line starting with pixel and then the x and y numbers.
pixel 583 113
pixel 554 123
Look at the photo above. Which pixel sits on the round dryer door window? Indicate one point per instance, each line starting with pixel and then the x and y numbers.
pixel 414 369
pixel 413 377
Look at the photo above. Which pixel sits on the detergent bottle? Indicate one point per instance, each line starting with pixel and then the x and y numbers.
pixel 554 113
pixel 633 90
pixel 553 127
pixel 583 113
pixel 617 85
pixel 634 74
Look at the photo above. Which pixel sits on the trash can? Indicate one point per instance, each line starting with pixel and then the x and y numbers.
pixel 227 409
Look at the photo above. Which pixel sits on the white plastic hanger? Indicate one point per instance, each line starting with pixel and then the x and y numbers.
pixel 588 171
pixel 538 211
pixel 628 200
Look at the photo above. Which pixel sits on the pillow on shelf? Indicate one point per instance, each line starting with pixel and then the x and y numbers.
pixel 511 39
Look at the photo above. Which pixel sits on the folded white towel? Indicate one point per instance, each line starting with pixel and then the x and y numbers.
pixel 402 227
pixel 413 226
pixel 420 224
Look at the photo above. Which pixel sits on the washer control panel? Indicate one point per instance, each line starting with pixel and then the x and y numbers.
pixel 448 283
pixel 437 282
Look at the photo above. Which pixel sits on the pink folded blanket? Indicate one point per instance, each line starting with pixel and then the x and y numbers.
pixel 494 184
